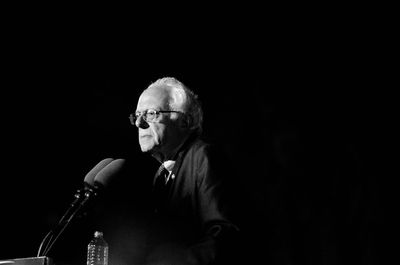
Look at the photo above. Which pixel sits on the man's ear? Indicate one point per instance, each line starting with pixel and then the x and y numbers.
pixel 186 122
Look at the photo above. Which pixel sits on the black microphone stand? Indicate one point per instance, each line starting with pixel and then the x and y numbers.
pixel 82 197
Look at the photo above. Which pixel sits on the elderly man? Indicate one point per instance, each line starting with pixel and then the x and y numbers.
pixel 191 224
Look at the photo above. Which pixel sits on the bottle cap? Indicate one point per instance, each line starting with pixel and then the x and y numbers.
pixel 98 234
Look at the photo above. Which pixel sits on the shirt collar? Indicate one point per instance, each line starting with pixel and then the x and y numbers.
pixel 169 165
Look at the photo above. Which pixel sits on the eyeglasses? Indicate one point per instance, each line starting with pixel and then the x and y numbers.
pixel 149 115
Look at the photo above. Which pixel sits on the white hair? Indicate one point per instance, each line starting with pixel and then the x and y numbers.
pixel 183 99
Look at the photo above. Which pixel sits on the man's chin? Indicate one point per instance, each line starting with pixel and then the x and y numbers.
pixel 148 148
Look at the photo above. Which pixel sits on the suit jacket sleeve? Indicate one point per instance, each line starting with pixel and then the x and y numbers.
pixel 218 232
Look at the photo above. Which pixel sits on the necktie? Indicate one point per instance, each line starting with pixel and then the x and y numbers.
pixel 161 188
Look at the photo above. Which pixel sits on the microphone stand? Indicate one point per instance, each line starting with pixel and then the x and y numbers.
pixel 76 206
pixel 82 196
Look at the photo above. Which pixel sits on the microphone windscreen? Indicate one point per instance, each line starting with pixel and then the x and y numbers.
pixel 89 178
pixel 105 175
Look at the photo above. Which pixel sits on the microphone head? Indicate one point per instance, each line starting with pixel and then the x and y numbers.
pixel 90 176
pixel 105 175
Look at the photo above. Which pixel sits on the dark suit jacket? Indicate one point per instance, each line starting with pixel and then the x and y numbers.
pixel 192 225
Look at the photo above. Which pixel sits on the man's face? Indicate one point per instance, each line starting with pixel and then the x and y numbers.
pixel 163 134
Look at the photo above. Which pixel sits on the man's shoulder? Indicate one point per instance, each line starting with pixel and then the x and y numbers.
pixel 199 144
pixel 200 147
pixel 205 151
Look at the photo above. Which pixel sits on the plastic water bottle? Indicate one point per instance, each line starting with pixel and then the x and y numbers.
pixel 97 253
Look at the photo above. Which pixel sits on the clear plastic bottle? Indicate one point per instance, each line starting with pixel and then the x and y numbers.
pixel 97 252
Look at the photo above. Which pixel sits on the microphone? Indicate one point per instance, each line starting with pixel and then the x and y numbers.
pixel 88 183
pixel 74 207
pixel 90 176
pixel 103 178
pixel 101 181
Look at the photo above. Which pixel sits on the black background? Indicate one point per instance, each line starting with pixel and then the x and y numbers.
pixel 296 106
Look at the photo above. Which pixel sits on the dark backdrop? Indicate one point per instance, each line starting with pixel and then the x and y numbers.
pixel 297 115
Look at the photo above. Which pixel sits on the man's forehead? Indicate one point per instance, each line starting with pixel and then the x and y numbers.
pixel 154 97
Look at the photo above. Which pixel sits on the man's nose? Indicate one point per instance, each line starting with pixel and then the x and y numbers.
pixel 141 123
